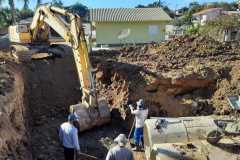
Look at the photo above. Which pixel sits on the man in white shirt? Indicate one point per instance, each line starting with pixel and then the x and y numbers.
pixel 120 152
pixel 141 114
pixel 68 135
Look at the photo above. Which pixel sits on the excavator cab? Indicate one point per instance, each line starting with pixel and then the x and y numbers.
pixel 24 48
pixel 19 33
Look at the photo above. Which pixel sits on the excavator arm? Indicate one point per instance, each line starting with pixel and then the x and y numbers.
pixel 73 33
pixel 31 40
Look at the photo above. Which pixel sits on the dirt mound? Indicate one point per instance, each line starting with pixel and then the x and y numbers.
pixel 229 85
pixel 182 49
pixel 177 53
pixel 177 78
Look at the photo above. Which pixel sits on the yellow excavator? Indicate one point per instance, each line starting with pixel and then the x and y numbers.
pixel 31 41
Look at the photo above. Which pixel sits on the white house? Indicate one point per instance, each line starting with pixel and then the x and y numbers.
pixel 213 13
pixel 206 15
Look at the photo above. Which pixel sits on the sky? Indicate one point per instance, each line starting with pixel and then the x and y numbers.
pixel 173 4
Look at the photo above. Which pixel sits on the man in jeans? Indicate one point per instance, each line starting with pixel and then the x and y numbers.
pixel 68 135
pixel 141 114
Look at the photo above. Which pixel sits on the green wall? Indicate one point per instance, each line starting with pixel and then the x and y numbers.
pixel 107 32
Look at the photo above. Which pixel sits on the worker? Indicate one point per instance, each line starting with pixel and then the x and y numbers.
pixel 141 114
pixel 120 152
pixel 68 135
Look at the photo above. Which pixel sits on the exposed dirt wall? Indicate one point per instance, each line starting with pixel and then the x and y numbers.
pixel 13 114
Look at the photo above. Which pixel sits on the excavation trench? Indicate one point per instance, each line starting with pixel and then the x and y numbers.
pixel 35 96
pixel 46 89
pixel 52 86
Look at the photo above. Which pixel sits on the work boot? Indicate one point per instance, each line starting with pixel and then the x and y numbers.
pixel 137 148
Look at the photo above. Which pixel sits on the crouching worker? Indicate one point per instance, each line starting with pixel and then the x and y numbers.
pixel 141 114
pixel 120 152
pixel 68 135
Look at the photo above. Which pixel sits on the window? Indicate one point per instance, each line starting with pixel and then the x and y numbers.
pixel 153 30
pixel 22 29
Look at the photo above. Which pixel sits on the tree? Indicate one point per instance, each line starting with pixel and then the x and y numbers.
pixel 5 17
pixel 57 3
pixel 193 4
pixel 140 6
pixel 25 13
pixel 1 1
pixel 157 4
pixel 186 19
pixel 25 5
pixel 13 10
pixel 79 9
pixel 194 7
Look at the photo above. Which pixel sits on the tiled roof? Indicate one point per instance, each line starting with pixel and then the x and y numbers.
pixel 128 14
pixel 207 11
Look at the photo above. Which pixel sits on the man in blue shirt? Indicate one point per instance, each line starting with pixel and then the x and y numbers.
pixel 68 135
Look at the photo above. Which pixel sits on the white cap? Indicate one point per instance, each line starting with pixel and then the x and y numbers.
pixel 121 140
pixel 140 103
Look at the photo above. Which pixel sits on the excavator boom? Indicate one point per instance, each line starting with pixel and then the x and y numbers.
pixel 72 33
pixel 92 111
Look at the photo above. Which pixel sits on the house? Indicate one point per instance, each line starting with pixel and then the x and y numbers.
pixel 211 14
pixel 116 26
pixel 206 15
pixel 232 13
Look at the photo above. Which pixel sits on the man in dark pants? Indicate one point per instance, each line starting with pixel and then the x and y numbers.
pixel 68 135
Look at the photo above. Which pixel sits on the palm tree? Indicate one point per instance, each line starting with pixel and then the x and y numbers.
pixel 160 3
pixel 1 1
pixel 13 10
pixel 25 6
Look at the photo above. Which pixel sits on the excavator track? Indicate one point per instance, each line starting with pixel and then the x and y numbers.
pixel 23 53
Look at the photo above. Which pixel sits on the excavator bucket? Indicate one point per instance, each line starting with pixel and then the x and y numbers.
pixel 90 117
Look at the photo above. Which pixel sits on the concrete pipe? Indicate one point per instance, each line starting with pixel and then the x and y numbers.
pixel 158 132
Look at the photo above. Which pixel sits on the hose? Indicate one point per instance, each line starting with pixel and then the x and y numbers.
pixel 89 156
pixel 129 135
